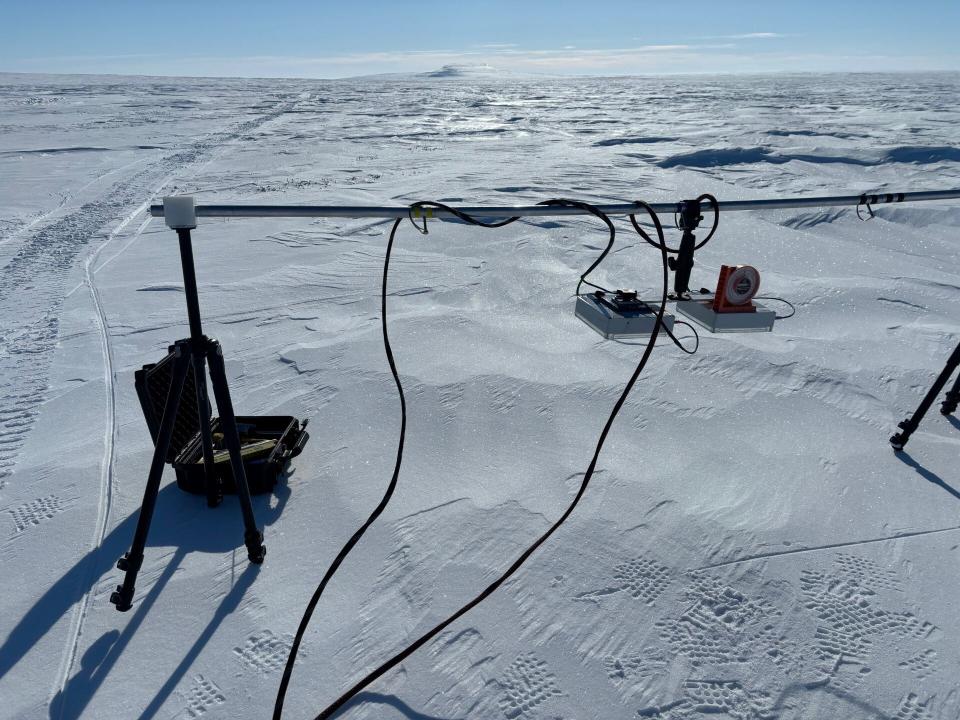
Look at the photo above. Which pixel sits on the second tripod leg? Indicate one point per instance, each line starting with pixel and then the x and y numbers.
pixel 211 482
pixel 253 538
pixel 949 404
pixel 130 563
pixel 910 425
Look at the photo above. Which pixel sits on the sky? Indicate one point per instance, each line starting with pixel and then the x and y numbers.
pixel 322 39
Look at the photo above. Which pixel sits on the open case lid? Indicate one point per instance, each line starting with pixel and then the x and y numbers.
pixel 153 384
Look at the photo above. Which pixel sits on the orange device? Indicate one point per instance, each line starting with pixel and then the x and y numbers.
pixel 737 286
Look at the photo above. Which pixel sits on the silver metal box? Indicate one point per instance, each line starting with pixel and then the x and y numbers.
pixel 618 324
pixel 701 312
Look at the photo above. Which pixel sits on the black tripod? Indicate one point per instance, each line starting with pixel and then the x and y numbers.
pixel 947 407
pixel 198 350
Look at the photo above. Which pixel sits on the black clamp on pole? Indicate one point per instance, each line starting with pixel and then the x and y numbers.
pixel 197 353
pixel 682 265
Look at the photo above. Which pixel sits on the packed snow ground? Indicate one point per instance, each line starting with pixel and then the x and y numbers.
pixel 751 547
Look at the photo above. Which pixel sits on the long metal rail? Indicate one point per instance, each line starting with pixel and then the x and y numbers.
pixel 361 211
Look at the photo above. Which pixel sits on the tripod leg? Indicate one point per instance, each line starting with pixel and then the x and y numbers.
pixel 253 538
pixel 949 405
pixel 909 425
pixel 210 481
pixel 130 563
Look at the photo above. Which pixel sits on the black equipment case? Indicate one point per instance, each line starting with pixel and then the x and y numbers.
pixel 268 442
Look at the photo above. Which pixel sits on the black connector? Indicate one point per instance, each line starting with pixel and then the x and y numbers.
pixel 130 562
pixel 122 598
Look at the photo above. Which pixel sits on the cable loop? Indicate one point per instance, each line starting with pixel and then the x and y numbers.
pixel 864 202
pixel 596 212
pixel 714 205
pixel 677 342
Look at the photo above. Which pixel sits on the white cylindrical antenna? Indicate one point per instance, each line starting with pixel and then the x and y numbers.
pixel 180 212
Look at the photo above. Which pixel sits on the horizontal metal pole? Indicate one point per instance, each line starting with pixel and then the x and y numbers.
pixel 361 211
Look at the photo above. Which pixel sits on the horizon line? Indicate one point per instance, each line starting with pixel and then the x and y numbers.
pixel 505 74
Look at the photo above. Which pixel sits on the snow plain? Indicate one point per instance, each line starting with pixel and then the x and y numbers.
pixel 750 547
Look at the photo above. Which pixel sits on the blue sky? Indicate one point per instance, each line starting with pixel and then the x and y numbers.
pixel 283 38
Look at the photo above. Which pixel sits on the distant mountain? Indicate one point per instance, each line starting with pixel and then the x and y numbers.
pixel 458 72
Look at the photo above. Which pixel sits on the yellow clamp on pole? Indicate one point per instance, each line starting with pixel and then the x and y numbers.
pixel 427 213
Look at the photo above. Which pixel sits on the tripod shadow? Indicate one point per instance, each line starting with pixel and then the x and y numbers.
pixel 229 605
pixel 801 689
pixel 905 457
pixel 182 521
pixel 98 661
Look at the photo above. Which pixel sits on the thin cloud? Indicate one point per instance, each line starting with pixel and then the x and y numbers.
pixel 752 36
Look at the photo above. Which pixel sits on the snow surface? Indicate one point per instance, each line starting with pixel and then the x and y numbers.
pixel 749 548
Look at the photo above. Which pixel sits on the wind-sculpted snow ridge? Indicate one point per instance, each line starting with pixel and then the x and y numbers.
pixel 749 547
pixel 917 155
pixel 613 142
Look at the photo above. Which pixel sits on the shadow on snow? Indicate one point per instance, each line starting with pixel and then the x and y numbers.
pixel 181 521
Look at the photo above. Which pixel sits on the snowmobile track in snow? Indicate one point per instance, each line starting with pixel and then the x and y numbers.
pixel 105 502
pixel 31 297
